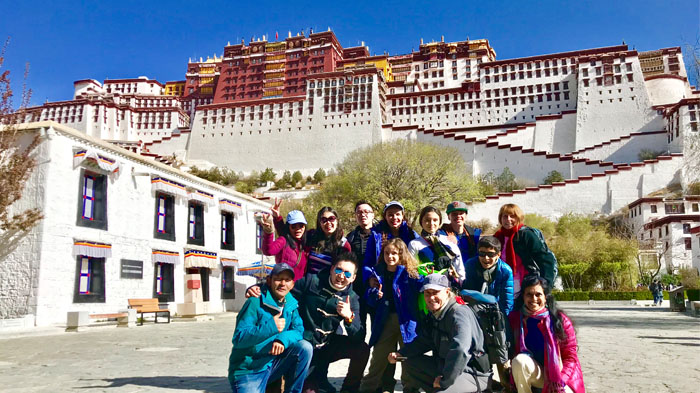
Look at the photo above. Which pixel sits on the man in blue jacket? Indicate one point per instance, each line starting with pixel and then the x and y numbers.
pixel 268 340
pixel 487 273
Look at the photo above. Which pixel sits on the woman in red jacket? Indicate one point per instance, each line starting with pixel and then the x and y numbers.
pixel 290 245
pixel 544 342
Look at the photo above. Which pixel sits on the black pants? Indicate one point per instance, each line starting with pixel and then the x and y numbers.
pixel 340 347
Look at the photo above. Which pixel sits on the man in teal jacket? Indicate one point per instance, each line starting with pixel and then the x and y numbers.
pixel 268 340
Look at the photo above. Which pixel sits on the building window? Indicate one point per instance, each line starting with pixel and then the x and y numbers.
pixel 164 285
pixel 228 239
pixel 195 223
pixel 165 217
pixel 653 208
pixel 90 280
pixel 258 239
pixel 92 209
pixel 675 208
pixel 686 228
pixel 688 243
pixel 228 285
pixel 694 206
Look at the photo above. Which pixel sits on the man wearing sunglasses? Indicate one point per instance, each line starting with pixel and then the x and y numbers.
pixel 487 273
pixel 330 310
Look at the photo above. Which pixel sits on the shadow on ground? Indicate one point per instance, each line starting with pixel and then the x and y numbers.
pixel 204 384
pixel 656 317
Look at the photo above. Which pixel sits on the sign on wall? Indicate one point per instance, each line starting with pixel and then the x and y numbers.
pixel 131 269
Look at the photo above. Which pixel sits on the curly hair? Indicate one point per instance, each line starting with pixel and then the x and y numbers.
pixel 405 257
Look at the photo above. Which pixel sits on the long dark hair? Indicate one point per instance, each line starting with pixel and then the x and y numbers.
pixel 426 210
pixel 320 241
pixel 554 311
pixel 286 232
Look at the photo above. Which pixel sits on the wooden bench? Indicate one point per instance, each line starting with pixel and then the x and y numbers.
pixel 148 306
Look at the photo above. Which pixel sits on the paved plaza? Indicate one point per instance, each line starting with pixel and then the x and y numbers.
pixel 623 348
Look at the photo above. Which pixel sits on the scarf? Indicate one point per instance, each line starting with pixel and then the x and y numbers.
pixel 510 257
pixel 553 382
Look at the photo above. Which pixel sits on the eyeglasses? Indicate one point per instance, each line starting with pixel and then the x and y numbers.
pixel 328 219
pixel 364 212
pixel 487 254
pixel 341 271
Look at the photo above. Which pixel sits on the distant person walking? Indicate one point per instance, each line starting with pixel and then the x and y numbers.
pixel 657 292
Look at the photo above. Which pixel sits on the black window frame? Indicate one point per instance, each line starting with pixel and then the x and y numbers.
pixel 99 209
pixel 258 239
pixel 169 233
pixel 228 282
pixel 168 274
pixel 96 274
pixel 198 238
pixel 228 238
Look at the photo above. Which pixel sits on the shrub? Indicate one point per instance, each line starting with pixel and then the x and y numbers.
pixel 693 294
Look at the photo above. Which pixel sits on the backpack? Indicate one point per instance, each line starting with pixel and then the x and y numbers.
pixel 492 323
pixel 546 248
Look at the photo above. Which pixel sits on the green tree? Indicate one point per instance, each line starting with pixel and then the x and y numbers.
pixel 417 174
pixel 267 175
pixel 553 177
pixel 647 154
pixel 505 182
pixel 286 179
pixel 296 178
pixel 320 175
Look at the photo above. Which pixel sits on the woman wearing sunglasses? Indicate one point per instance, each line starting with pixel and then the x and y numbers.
pixel 326 241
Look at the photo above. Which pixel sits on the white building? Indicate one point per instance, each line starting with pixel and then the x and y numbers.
pixel 665 224
pixel 117 226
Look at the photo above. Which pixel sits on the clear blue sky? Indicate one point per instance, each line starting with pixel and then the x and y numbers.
pixel 65 41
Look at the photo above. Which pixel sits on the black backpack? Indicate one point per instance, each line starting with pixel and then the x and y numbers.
pixel 492 323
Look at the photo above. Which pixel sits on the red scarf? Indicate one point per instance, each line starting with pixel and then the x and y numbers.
pixel 510 258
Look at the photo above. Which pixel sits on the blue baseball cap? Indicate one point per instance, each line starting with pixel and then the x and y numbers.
pixel 296 217
pixel 392 204
pixel 281 267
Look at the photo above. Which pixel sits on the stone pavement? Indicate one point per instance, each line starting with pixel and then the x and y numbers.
pixel 623 348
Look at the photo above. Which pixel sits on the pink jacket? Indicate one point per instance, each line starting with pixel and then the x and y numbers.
pixel 285 254
pixel 571 371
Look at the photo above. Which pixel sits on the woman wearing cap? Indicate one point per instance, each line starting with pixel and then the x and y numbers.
pixel 290 246
pixel 523 249
pixel 545 342
pixel 458 232
pixel 392 225
pixel 434 251
pixel 326 241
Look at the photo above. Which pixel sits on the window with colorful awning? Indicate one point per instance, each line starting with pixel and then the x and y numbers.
pixel 81 155
pixel 163 256
pixel 92 249
pixel 226 262
pixel 199 258
pixel 255 268
pixel 228 205
pixel 168 186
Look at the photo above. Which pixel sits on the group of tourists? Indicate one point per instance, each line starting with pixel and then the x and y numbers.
pixel 473 301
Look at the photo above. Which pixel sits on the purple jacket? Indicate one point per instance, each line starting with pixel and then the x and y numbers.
pixel 571 371
pixel 285 254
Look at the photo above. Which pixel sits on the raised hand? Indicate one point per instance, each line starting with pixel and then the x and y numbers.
pixel 380 294
pixel 279 321
pixel 267 223
pixel 276 208
pixel 344 309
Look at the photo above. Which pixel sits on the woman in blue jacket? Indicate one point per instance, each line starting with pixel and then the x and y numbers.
pixel 394 298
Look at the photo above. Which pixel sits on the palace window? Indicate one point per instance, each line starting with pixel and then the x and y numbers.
pixel 195 223
pixel 228 283
pixel 164 282
pixel 90 280
pixel 228 239
pixel 165 217
pixel 92 209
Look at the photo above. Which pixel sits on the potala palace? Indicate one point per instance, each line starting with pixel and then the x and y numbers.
pixel 304 103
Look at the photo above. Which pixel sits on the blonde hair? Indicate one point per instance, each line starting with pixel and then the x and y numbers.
pixel 405 258
pixel 513 210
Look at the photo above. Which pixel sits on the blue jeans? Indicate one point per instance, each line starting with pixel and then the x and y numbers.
pixel 293 364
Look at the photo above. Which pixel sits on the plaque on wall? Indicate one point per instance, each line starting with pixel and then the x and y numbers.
pixel 131 269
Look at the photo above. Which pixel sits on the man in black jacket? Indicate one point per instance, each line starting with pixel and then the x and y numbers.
pixel 451 331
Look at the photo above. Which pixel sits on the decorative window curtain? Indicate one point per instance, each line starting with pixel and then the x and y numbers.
pixel 168 186
pixel 88 197
pixel 162 256
pixel 229 262
pixel 201 196
pixel 228 205
pixel 92 249
pixel 199 258
pixel 81 155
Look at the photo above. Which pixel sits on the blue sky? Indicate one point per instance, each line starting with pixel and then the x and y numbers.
pixel 65 41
